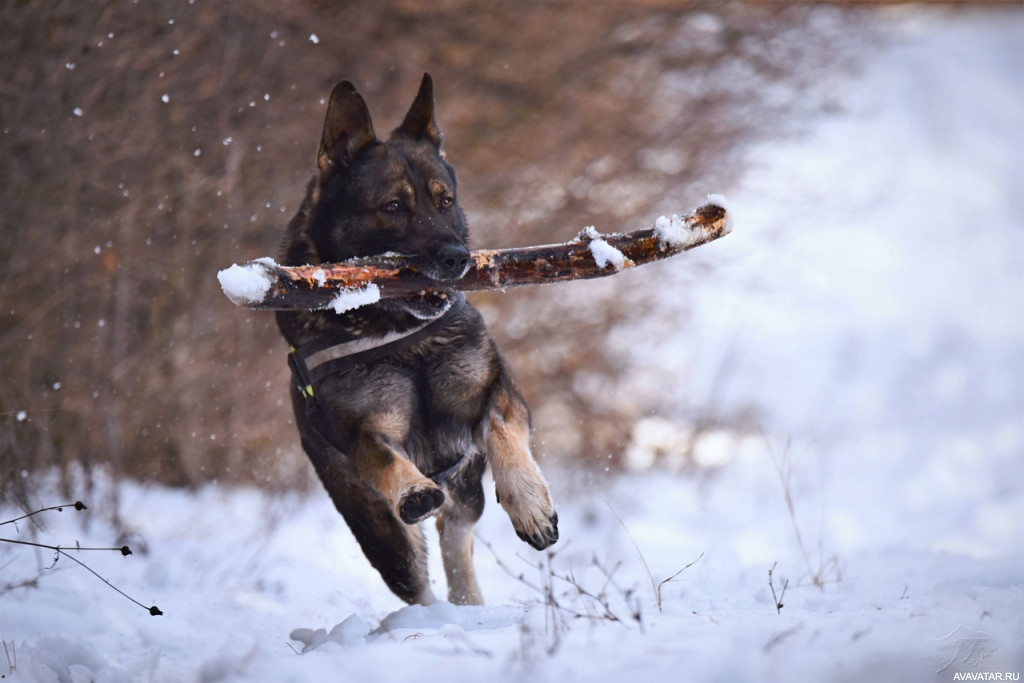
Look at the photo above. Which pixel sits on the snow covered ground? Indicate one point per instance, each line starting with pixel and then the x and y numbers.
pixel 869 306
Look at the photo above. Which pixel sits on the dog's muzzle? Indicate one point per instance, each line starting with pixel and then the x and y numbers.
pixel 449 263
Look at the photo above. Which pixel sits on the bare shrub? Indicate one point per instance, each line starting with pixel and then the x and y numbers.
pixel 66 552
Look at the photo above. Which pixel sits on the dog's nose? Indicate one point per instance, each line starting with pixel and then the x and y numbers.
pixel 452 261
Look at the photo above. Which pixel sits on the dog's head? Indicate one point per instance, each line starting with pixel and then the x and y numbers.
pixel 398 195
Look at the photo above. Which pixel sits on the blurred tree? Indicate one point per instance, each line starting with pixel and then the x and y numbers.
pixel 147 145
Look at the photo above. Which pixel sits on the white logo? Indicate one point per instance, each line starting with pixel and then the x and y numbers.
pixel 963 648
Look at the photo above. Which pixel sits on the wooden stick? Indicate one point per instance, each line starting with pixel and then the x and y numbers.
pixel 263 284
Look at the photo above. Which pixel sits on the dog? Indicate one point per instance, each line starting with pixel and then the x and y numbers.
pixel 401 404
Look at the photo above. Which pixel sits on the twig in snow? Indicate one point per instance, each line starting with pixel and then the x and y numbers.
pixel 784 469
pixel 771 584
pixel 12 657
pixel 643 560
pixel 779 637
pixel 655 586
pixel 560 606
pixel 657 592
pixel 461 645
pixel 78 505
pixel 63 552
pixel 601 598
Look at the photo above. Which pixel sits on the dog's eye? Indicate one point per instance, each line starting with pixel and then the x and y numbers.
pixel 393 206
pixel 446 203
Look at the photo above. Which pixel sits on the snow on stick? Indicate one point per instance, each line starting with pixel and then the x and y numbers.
pixel 263 284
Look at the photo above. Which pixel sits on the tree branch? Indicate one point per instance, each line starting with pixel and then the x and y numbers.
pixel 63 552
pixel 263 284
pixel 78 505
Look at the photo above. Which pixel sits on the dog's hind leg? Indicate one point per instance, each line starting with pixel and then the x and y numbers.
pixel 395 549
pixel 457 553
pixel 518 483
pixel 463 507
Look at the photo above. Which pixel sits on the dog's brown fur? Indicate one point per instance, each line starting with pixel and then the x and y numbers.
pixel 448 400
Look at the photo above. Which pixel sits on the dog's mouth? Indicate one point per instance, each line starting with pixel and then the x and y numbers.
pixel 427 304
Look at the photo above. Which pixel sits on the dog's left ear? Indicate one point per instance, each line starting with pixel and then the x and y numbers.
pixel 419 123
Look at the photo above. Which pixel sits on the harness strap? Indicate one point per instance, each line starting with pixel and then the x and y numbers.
pixel 313 362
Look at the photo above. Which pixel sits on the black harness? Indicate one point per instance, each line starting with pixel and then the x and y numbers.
pixel 312 362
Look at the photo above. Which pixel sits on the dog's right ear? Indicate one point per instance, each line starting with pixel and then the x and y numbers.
pixel 347 129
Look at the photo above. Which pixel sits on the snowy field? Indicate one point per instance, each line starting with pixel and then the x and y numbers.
pixel 869 306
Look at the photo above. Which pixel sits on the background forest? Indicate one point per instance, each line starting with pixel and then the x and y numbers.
pixel 147 145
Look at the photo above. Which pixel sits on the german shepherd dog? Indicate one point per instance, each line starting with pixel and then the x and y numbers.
pixel 404 429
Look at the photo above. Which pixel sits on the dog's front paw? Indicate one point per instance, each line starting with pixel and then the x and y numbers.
pixel 420 502
pixel 543 534
pixel 531 511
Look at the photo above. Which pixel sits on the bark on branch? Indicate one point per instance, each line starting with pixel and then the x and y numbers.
pixel 263 284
